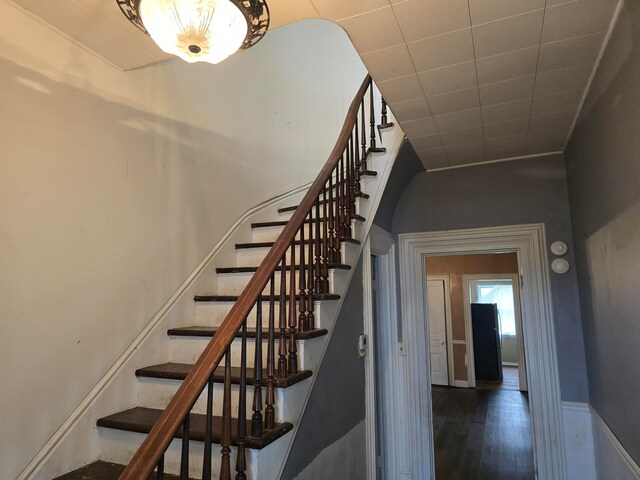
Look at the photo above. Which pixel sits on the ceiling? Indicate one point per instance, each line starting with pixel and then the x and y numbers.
pixel 469 80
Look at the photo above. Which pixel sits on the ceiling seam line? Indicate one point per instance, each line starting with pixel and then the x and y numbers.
pixel 475 66
pixel 535 79
pixel 422 89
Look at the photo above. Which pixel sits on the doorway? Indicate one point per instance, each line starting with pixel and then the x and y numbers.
pixel 480 415
pixel 454 284
pixel 529 244
pixel 385 369
pixel 503 291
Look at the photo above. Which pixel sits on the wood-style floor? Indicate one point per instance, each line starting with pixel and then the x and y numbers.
pixel 482 434
pixel 510 380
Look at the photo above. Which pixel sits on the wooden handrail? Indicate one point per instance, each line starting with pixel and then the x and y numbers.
pixel 157 441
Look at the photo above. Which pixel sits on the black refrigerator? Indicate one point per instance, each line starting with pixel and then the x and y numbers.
pixel 486 341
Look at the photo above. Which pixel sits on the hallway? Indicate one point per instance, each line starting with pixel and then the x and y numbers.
pixel 482 434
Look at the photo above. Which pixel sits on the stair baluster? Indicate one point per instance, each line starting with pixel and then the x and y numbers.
pixel 256 419
pixel 293 314
pixel 334 249
pixel 341 197
pixel 344 186
pixel 184 460
pixel 311 320
pixel 348 190
pixel 241 459
pixel 225 439
pixel 282 352
pixel 208 432
pixel 160 471
pixel 357 166
pixel 352 184
pixel 372 120
pixel 317 268
pixel 363 142
pixel 384 120
pixel 269 411
pixel 302 318
pixel 325 240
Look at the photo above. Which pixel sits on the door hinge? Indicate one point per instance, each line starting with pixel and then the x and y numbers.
pixel 521 281
pixel 374 284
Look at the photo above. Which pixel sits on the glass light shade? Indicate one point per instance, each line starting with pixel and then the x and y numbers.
pixel 195 30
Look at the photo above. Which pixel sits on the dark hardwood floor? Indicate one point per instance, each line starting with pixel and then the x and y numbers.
pixel 482 434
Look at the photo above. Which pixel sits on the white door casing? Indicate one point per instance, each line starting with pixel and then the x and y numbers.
pixel 436 314
pixel 398 455
pixel 529 242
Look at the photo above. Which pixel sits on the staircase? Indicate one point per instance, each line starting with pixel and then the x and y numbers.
pixel 237 380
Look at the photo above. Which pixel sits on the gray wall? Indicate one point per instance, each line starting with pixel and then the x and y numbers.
pixel 407 164
pixel 517 192
pixel 337 402
pixel 603 165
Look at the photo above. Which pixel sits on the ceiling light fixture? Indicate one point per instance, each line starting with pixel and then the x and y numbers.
pixel 200 30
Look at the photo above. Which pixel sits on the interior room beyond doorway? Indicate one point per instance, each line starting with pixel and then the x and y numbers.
pixel 467 296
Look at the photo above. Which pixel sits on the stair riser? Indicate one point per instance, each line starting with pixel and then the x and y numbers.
pixel 157 392
pixel 270 234
pixel 235 283
pixel 248 257
pixel 213 313
pixel 119 446
pixel 188 350
pixel 288 215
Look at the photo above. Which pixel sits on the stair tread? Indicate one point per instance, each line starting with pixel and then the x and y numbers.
pixel 240 246
pixel 336 266
pixel 204 331
pixel 233 298
pixel 142 419
pixel 179 371
pixel 104 471
pixel 282 223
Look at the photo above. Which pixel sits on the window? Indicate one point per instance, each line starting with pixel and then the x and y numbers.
pixel 499 292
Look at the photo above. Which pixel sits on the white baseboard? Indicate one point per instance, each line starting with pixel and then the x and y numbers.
pixel 612 460
pixel 461 384
pixel 578 436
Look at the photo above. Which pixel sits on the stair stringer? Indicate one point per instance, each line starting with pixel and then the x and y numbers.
pixel 78 441
pixel 272 459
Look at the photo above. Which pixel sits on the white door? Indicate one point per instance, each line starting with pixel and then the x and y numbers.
pixel 437 332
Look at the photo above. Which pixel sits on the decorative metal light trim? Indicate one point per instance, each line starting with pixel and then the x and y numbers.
pixel 256 13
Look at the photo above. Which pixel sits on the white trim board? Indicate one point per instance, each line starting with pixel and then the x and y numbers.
pixel 612 460
pixel 528 241
pixel 381 244
pixel 578 434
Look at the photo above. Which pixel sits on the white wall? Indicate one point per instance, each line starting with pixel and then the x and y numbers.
pixel 114 185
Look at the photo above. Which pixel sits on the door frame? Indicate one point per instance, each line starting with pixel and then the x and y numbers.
pixel 446 279
pixel 529 242
pixel 471 364
pixel 382 245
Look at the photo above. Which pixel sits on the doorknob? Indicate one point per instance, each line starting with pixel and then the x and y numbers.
pixel 441 343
